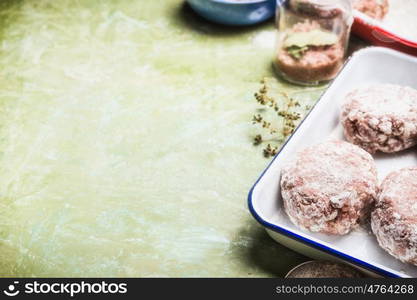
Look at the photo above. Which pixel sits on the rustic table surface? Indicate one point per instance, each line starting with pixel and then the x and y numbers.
pixel 126 141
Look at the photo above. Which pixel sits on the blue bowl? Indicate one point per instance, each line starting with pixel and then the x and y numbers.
pixel 234 12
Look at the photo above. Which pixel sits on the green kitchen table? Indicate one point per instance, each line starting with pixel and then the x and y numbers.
pixel 126 141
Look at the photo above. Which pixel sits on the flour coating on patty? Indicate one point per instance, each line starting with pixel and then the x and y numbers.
pixel 394 219
pixel 329 187
pixel 381 118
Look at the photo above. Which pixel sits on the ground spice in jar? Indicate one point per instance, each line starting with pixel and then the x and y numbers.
pixel 313 40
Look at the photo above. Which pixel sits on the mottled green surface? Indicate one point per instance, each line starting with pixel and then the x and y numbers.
pixel 125 142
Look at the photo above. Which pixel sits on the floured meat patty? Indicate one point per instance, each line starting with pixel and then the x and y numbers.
pixel 394 219
pixel 319 63
pixel 381 118
pixel 329 187
pixel 376 9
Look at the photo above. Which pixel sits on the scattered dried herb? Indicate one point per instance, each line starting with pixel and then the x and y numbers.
pixel 257 140
pixel 315 37
pixel 279 113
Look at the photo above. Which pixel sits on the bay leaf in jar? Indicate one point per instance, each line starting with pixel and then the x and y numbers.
pixel 314 37
pixel 323 269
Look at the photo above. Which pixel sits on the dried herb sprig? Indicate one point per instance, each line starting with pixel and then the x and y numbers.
pixel 282 108
pixel 270 151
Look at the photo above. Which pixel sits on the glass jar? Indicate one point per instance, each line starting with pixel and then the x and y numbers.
pixel 313 37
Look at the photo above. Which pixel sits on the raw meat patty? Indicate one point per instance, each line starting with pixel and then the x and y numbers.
pixel 376 9
pixel 381 118
pixel 394 219
pixel 329 187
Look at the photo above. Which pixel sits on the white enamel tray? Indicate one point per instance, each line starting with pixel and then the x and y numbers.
pixel 360 248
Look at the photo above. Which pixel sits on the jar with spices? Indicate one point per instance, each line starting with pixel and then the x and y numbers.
pixel 313 37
